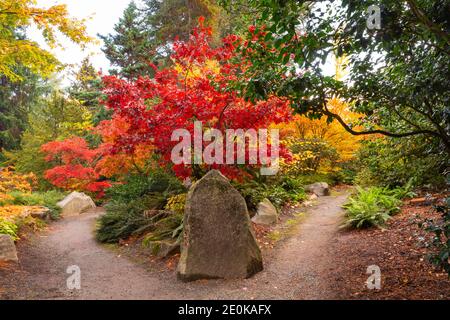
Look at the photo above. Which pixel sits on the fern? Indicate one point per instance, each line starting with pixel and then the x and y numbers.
pixel 371 207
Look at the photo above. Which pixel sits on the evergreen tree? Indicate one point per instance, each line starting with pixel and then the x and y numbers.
pixel 87 90
pixel 131 46
pixel 16 99
pixel 87 86
pixel 177 18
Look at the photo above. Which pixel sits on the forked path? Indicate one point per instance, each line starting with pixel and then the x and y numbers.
pixel 298 268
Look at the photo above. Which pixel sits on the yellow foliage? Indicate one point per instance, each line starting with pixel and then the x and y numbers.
pixel 13 217
pixel 319 130
pixel 317 135
pixel 11 212
pixel 344 142
pixel 16 14
pixel 84 118
pixel 194 71
pixel 4 197
pixel 176 203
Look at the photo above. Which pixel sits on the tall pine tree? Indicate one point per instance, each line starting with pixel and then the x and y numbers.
pixel 16 100
pixel 87 90
pixel 131 47
pixel 177 18
pixel 87 85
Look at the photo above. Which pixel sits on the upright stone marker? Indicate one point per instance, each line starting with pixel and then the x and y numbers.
pixel 218 239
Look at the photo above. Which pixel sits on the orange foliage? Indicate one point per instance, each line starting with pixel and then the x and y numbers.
pixel 13 181
pixel 11 212
pixel 119 163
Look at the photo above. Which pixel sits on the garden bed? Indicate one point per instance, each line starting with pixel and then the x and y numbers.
pixel 400 252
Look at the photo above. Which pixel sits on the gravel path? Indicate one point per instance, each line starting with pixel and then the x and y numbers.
pixel 298 268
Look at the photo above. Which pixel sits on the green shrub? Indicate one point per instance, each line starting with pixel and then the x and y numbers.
pixel 123 219
pixel 371 207
pixel 137 186
pixel 9 228
pixel 47 199
pixel 290 183
pixel 346 174
pixel 168 227
pixel 125 211
pixel 394 162
pixel 279 193
pixel 441 237
pixel 404 191
pixel 305 179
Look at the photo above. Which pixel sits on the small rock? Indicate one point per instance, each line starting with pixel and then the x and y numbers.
pixel 43 213
pixel 307 203
pixel 266 213
pixel 312 197
pixel 8 252
pixel 318 188
pixel 75 204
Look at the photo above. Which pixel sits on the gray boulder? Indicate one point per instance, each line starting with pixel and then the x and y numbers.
pixel 266 213
pixel 318 188
pixel 75 204
pixel 8 251
pixel 218 240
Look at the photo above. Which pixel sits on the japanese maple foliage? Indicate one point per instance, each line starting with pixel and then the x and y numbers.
pixel 194 88
pixel 148 110
pixel 119 163
pixel 75 169
pixel 79 167
pixel 73 150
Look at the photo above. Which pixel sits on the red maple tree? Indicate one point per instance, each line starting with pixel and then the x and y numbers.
pixel 75 169
pixel 194 88
pixel 147 111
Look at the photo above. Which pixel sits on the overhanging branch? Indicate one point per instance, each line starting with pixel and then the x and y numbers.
pixel 377 131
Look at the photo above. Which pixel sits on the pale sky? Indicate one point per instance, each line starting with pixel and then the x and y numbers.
pixel 104 14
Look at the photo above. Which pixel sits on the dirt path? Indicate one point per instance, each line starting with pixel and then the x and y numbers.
pixel 298 268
